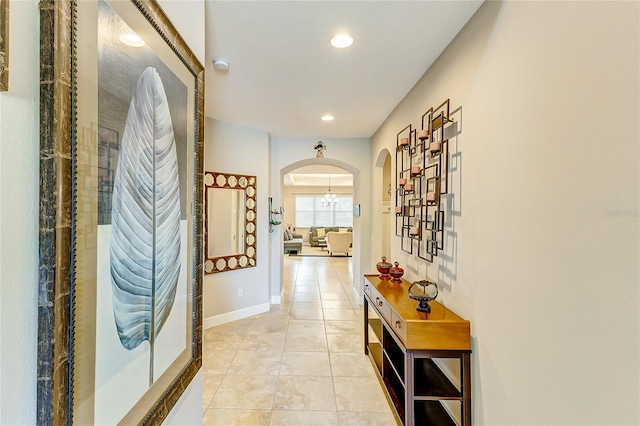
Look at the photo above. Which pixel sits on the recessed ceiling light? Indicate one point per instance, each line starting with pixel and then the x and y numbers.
pixel 327 117
pixel 131 40
pixel 341 41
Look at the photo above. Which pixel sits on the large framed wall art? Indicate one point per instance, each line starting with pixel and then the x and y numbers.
pixel 121 198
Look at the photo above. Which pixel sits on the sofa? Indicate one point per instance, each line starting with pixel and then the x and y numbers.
pixel 292 242
pixel 314 239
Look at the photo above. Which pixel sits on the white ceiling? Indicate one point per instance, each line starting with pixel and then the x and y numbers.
pixel 284 75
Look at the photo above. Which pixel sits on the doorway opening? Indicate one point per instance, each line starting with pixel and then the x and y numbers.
pixel 317 200
pixel 277 242
pixel 384 199
pixel 385 211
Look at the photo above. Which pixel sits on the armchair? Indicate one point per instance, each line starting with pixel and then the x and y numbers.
pixel 339 242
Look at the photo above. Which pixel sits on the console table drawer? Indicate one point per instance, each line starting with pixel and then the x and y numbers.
pixel 367 289
pixel 381 304
pixel 399 326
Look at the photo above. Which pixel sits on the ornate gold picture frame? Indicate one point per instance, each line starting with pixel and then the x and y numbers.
pixel 4 45
pixel 121 209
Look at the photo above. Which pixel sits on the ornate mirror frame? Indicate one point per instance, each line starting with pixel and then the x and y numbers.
pixel 232 261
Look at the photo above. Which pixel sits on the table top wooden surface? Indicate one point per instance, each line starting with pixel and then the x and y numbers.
pixel 440 329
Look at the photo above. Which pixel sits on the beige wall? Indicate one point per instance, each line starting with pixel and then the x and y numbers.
pixel 542 233
pixel 231 148
pixel 19 183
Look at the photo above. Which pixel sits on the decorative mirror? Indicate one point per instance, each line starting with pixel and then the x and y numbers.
pixel 229 222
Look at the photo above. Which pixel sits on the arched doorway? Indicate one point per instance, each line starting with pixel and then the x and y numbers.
pixel 317 188
pixel 383 219
pixel 276 243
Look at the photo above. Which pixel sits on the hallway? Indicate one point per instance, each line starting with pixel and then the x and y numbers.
pixel 302 363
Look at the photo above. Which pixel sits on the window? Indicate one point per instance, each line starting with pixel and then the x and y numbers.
pixel 310 211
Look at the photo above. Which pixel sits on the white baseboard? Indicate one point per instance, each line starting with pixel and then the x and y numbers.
pixel 235 315
pixel 357 295
pixel 277 300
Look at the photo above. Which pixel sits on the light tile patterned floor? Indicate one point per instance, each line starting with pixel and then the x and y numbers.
pixel 302 363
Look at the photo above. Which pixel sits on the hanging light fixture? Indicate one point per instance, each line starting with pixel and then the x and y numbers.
pixel 320 146
pixel 329 197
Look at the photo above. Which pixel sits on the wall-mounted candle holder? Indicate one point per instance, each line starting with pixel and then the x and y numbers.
pixel 431 198
pixel 404 139
pixel 408 188
pixel 423 134
pixel 419 212
pixel 435 147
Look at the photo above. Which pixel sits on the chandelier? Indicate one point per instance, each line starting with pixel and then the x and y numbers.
pixel 329 197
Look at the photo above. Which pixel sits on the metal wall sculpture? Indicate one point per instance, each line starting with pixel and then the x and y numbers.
pixel 422 164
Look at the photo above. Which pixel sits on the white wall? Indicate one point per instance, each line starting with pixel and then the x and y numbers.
pixel 19 171
pixel 19 164
pixel 345 153
pixel 542 246
pixel 231 148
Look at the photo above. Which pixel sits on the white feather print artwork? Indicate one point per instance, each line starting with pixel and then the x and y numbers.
pixel 145 235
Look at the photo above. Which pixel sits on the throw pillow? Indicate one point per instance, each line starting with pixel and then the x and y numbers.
pixel 320 232
pixel 287 235
pixel 344 230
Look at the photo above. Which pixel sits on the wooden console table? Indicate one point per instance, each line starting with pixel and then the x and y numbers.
pixel 403 343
